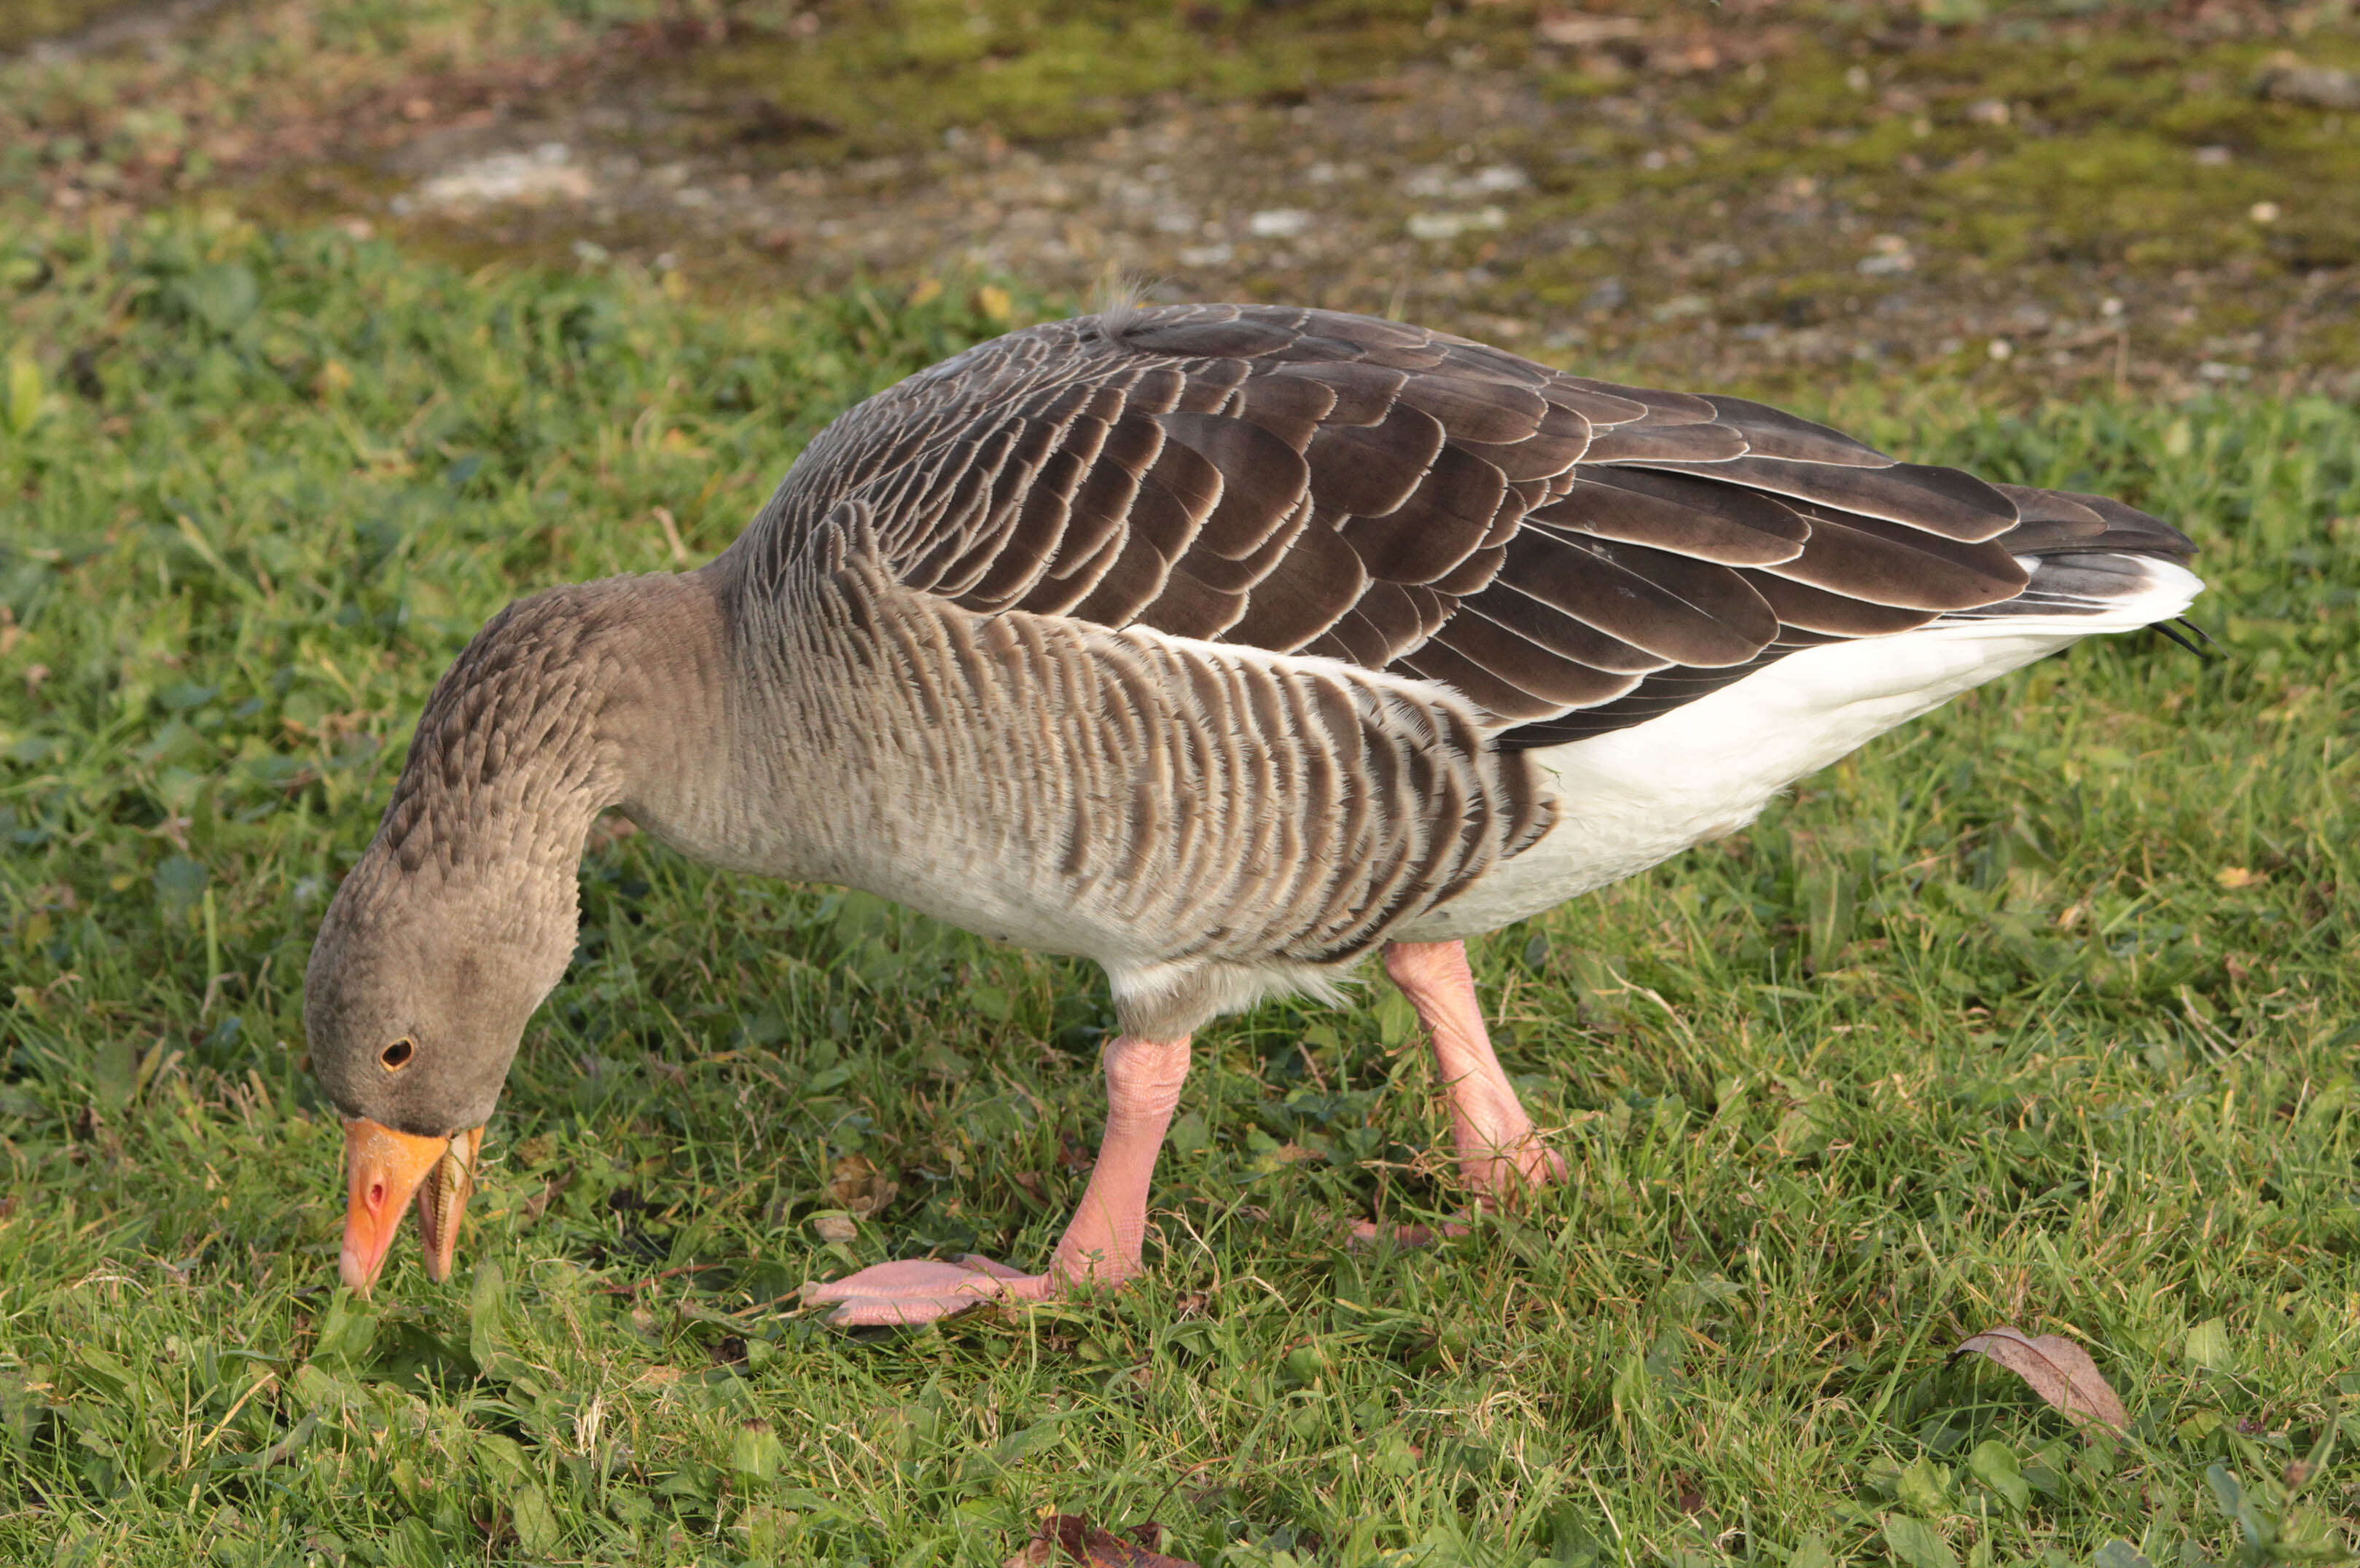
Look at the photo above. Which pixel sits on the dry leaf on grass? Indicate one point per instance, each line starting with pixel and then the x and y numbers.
pixel 2059 1370
pixel 834 1227
pixel 860 1187
pixel 1072 1538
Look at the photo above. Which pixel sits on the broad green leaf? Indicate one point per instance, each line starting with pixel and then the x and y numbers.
pixel 1924 1487
pixel 115 1071
pixel 2207 1344
pixel 2225 1488
pixel 222 296
pixel 1916 1544
pixel 756 1452
pixel 319 1391
pixel 505 1458
pixel 1994 1464
pixel 487 1333
pixel 180 881
pixel 537 1528
pixel 347 1333
pixel 1028 1441
pixel 25 397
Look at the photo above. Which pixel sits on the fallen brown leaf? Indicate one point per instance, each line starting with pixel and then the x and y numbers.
pixel 860 1187
pixel 834 1227
pixel 2059 1370
pixel 1072 1538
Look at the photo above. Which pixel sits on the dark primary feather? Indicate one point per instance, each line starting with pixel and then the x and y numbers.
pixel 1571 555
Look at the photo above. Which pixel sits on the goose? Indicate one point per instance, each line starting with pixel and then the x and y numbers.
pixel 1221 645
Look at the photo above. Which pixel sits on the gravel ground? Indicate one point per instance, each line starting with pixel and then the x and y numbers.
pixel 2153 202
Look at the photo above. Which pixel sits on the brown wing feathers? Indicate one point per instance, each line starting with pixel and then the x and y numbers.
pixel 1569 554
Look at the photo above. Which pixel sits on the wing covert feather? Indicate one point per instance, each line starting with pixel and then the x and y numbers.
pixel 1298 481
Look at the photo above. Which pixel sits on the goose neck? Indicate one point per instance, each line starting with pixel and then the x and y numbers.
pixel 575 700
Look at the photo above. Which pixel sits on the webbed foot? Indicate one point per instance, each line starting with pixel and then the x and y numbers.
pixel 920 1290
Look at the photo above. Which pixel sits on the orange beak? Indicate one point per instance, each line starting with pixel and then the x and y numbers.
pixel 384 1169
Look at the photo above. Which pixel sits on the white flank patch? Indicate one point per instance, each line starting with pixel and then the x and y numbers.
pixel 1637 795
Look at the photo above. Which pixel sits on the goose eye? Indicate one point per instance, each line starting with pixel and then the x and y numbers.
pixel 396 1056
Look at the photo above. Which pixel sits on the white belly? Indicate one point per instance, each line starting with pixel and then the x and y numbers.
pixel 1628 800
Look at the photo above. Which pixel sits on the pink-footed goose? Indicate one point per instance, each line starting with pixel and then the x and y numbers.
pixel 1218 644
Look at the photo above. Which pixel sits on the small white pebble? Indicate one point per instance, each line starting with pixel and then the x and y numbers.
pixel 2110 308
pixel 1450 225
pixel 2263 213
pixel 2002 349
pixel 1279 223
pixel 1495 179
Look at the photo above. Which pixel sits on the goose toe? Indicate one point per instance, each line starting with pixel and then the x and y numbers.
pixel 920 1290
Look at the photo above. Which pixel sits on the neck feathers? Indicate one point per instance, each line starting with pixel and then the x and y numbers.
pixel 566 703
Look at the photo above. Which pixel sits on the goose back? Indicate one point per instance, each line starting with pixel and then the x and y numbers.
pixel 1302 481
pixel 1264 603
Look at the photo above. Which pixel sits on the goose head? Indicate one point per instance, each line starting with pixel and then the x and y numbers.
pixel 461 916
pixel 418 990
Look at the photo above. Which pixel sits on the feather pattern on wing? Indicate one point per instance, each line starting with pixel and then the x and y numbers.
pixel 1287 479
pixel 1362 509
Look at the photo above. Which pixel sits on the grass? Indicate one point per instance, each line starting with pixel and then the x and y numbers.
pixel 2040 1012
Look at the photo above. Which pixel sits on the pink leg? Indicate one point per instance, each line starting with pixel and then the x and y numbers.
pixel 1500 1155
pixel 1101 1244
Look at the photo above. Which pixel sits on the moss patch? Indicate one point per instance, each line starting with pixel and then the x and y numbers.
pixel 26 21
pixel 862 84
pixel 1752 195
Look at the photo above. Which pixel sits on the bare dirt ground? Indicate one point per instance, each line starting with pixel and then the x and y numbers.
pixel 2165 199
